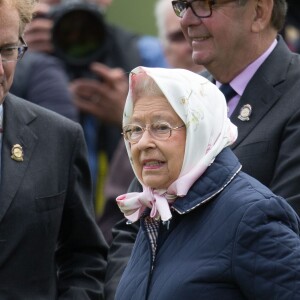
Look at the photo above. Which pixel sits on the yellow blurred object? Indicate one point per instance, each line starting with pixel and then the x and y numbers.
pixel 101 177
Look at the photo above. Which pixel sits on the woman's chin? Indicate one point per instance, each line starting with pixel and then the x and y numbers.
pixel 155 183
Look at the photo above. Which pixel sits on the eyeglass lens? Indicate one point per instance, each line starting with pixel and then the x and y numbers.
pixel 134 133
pixel 13 53
pixel 201 8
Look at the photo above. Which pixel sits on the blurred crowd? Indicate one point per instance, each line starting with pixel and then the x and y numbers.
pixel 91 87
pixel 78 65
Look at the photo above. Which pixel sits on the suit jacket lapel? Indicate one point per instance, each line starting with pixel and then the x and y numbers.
pixel 262 91
pixel 261 101
pixel 17 117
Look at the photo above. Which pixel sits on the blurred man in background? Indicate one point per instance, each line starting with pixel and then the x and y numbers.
pixel 177 50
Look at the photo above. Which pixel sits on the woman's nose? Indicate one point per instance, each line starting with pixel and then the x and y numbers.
pixel 146 140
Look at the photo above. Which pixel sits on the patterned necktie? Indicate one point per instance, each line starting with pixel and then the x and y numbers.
pixel 228 91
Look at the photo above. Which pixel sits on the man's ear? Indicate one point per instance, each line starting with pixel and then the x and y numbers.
pixel 263 13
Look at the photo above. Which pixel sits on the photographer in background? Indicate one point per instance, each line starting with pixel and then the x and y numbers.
pixel 91 77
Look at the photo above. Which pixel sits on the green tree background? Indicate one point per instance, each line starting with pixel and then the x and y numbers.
pixel 134 15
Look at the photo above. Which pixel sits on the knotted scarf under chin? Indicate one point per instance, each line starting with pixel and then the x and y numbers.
pixel 133 205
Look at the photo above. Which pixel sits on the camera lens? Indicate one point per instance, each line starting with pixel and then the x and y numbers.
pixel 79 35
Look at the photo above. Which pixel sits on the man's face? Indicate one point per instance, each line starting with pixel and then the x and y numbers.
pixel 224 39
pixel 9 36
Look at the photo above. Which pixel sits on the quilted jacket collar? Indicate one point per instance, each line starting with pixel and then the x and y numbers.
pixel 224 168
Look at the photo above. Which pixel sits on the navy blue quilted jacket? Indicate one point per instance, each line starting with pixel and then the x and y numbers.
pixel 230 238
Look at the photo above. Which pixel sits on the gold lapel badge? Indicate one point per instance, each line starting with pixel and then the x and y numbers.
pixel 245 113
pixel 17 153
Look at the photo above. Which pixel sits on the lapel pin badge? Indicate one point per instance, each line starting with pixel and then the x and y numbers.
pixel 17 153
pixel 245 113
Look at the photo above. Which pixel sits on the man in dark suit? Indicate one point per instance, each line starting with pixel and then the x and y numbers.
pixel 51 246
pixel 238 43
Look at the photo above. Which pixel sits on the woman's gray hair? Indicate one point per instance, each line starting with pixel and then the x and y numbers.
pixel 142 85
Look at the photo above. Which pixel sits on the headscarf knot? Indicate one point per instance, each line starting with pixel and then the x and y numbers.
pixel 134 204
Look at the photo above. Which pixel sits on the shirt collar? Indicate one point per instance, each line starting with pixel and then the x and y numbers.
pixel 240 82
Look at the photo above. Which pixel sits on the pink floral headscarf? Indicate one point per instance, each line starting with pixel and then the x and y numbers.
pixel 202 108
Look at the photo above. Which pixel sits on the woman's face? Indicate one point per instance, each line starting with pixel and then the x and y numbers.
pixel 157 163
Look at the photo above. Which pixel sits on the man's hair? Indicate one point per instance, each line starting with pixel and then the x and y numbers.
pixel 25 9
pixel 277 19
pixel 279 14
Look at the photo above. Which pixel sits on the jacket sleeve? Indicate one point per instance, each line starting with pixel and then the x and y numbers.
pixel 41 79
pixel 286 176
pixel 81 250
pixel 124 236
pixel 266 256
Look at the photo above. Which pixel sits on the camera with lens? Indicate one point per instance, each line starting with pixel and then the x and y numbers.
pixel 79 35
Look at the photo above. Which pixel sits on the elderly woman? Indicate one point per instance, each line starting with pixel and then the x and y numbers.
pixel 208 230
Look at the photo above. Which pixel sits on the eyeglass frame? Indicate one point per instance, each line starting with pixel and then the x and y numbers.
pixel 188 4
pixel 147 127
pixel 21 50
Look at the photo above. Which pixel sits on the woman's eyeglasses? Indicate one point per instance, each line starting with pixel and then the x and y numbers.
pixel 159 130
pixel 13 53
